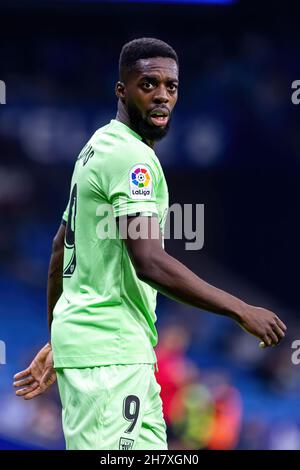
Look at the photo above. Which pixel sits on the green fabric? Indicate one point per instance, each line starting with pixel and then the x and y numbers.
pixel 115 407
pixel 106 315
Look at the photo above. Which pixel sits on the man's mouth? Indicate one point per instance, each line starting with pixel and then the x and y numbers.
pixel 159 118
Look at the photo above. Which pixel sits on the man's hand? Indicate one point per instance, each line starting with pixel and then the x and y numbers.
pixel 39 376
pixel 264 324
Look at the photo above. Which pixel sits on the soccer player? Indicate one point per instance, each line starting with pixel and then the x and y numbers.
pixel 102 290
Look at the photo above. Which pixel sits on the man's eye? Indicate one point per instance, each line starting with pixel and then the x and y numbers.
pixel 147 85
pixel 173 87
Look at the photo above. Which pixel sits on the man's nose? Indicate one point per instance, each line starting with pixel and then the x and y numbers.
pixel 161 95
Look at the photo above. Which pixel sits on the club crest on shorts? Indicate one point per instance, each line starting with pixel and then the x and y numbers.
pixel 140 182
pixel 126 444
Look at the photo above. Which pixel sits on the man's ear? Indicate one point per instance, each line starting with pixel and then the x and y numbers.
pixel 120 91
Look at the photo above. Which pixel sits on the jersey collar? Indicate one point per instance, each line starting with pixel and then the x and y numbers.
pixel 126 128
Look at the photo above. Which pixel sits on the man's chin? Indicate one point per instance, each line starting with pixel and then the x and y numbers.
pixel 153 133
pixel 147 130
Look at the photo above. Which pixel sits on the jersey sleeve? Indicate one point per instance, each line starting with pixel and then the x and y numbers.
pixel 130 182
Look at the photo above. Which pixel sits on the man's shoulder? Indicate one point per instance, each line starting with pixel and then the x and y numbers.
pixel 111 140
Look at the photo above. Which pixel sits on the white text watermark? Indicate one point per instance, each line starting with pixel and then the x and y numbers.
pixel 2 92
pixel 296 94
pixel 2 352
pixel 296 354
pixel 180 222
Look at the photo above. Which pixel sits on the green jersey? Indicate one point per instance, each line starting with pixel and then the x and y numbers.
pixel 106 315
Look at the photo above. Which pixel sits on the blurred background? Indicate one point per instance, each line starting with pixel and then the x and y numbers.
pixel 233 146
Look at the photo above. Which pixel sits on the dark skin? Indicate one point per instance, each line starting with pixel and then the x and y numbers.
pixel 153 83
pixel 54 286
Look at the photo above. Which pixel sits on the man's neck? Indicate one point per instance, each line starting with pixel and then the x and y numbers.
pixel 122 116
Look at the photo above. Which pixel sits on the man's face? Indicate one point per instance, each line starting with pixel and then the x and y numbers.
pixel 150 95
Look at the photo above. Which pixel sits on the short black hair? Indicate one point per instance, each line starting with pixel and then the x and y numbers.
pixel 143 48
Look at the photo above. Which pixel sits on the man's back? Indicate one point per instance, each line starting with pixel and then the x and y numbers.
pixel 106 315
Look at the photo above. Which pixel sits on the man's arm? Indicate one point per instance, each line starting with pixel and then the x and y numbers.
pixel 170 277
pixel 55 285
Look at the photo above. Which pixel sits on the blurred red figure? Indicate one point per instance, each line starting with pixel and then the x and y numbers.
pixel 175 369
pixel 176 372
pixel 227 420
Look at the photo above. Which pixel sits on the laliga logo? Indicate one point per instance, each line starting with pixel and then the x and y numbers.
pixel 140 177
pixel 140 182
pixel 142 192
